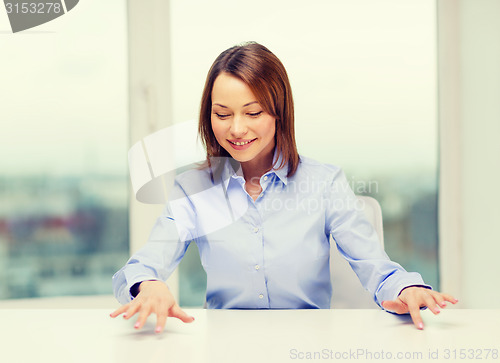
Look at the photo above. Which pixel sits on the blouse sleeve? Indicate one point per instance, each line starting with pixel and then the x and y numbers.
pixel 358 243
pixel 167 244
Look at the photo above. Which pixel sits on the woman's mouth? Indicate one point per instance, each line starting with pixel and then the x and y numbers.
pixel 242 144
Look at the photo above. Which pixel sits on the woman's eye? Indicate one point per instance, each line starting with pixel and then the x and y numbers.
pixel 255 114
pixel 221 116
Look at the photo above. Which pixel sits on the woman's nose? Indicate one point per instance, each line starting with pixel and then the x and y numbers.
pixel 238 127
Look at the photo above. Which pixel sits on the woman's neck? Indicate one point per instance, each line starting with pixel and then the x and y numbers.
pixel 254 169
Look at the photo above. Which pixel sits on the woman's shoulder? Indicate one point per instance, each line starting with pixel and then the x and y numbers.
pixel 193 171
pixel 194 179
pixel 313 167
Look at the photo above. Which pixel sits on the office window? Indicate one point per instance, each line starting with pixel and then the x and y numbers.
pixel 64 141
pixel 363 75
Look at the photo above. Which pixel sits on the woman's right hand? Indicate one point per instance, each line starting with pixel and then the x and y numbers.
pixel 153 297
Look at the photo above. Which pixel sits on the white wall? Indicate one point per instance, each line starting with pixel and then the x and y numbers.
pixel 480 55
pixel 470 113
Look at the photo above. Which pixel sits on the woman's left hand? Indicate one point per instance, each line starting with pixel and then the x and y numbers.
pixel 412 298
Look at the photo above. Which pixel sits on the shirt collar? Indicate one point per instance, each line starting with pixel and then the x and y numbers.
pixel 282 172
pixel 232 169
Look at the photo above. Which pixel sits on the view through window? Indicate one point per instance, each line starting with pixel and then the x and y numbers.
pixel 64 141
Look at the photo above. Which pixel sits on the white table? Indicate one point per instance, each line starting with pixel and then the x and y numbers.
pixel 90 335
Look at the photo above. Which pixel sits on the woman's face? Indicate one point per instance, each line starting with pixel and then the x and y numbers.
pixel 240 124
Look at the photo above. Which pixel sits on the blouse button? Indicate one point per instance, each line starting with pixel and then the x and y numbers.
pixel 265 178
pixel 261 296
pixel 256 229
pixel 257 267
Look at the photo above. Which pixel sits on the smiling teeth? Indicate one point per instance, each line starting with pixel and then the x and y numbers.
pixel 242 143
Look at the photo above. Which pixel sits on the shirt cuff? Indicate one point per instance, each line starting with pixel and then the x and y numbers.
pixel 424 286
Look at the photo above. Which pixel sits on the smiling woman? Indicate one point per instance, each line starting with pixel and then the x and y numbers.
pixel 245 131
pixel 248 83
pixel 248 97
pixel 258 257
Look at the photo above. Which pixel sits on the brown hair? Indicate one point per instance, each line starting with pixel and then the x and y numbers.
pixel 266 76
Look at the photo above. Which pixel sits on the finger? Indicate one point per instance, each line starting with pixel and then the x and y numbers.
pixel 414 310
pixel 389 305
pixel 119 311
pixel 431 303
pixel 132 310
pixel 143 316
pixel 161 319
pixel 396 306
pixel 177 312
pixel 450 298
pixel 439 298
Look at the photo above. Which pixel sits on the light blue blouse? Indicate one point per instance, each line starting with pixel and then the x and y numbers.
pixel 272 253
